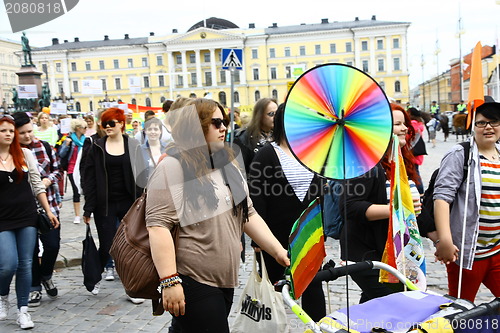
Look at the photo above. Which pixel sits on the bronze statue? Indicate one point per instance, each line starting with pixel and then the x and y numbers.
pixel 26 50
pixel 45 100
pixel 15 98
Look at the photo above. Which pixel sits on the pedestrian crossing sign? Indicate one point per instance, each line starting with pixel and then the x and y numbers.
pixel 232 58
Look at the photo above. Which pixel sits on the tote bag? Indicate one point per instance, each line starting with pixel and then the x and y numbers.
pixel 91 263
pixel 260 308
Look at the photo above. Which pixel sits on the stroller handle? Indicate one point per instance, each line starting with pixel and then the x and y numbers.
pixel 332 273
pixel 492 307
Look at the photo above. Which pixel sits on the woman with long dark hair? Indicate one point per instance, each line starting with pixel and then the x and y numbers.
pixel 19 179
pixel 199 187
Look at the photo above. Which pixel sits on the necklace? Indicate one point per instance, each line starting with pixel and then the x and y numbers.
pixel 4 161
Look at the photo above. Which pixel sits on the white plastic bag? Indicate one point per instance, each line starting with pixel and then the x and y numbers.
pixel 260 308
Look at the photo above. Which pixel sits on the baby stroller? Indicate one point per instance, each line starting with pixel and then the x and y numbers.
pixel 410 311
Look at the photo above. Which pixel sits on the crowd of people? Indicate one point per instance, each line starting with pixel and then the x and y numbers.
pixel 214 193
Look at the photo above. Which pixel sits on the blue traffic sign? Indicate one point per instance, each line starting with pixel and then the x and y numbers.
pixel 232 58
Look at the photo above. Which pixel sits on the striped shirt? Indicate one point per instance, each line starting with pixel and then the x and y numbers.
pixel 297 175
pixel 50 135
pixel 488 240
pixel 415 195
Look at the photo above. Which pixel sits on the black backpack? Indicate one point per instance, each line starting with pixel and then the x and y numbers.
pixel 428 200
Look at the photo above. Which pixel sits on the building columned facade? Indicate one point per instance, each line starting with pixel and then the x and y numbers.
pixel 9 65
pixel 148 70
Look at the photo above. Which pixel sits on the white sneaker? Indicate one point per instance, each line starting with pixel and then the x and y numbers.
pixel 4 307
pixel 97 286
pixel 24 318
pixel 76 220
pixel 136 300
pixel 110 274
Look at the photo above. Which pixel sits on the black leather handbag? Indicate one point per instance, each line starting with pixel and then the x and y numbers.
pixel 44 224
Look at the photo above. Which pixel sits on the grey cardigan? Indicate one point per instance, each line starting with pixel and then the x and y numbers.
pixel 449 187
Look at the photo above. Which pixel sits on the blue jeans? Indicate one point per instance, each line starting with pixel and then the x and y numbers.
pixel 16 247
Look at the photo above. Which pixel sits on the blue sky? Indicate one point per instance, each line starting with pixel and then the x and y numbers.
pixel 431 20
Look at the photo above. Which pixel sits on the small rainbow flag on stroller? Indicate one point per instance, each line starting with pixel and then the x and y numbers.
pixel 403 249
pixel 306 248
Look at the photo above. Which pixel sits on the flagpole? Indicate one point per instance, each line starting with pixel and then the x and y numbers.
pixel 466 205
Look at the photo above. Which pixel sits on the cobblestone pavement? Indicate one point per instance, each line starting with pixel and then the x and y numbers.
pixel 77 310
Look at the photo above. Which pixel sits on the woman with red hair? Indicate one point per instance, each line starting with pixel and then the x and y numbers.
pixel 368 211
pixel 112 181
pixel 18 216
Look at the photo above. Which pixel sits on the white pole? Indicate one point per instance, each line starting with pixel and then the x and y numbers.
pixel 232 69
pixel 466 205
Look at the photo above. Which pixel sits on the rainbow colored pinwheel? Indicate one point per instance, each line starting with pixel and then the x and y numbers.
pixel 338 121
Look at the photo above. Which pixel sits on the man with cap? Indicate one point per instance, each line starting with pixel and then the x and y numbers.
pixel 48 165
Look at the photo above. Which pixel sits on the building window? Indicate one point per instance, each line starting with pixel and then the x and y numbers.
pixel 257 95
pixel 255 54
pixel 78 106
pixel 58 67
pixel 255 74
pixel 87 65
pixel 101 64
pixel 333 48
pixel 208 78
pixel 192 58
pixel 133 101
pixel 348 47
pixel 382 85
pixel 222 98
pixel 397 66
pixel 44 68
pixel 236 97
pixel 178 59
pixel 364 45
pixel 317 49
pixel 144 62
pixel 274 94
pixel 180 80
pixel 380 65
pixel 159 60
pixel 302 50
pixel 161 81
pixel 236 76
pixel 148 101
pixel 146 81
pixel 287 52
pixel 162 99
pixel 365 65
pixel 104 85
pixel 118 83
pixel 272 53
pixel 116 64
pixel 91 106
pixel 380 44
pixel 130 63
pixel 397 86
pixel 273 73
pixel 349 63
pixel 75 86
pixel 395 43
pixel 206 57
pixel 288 72
pixel 222 76
pixel 73 66
pixel 194 79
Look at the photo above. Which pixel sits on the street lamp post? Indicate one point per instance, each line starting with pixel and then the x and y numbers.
pixel 436 52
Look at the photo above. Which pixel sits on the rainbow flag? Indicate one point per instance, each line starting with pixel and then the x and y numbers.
pixel 306 248
pixel 403 249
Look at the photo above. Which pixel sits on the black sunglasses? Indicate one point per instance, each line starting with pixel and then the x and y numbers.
pixel 111 123
pixel 217 122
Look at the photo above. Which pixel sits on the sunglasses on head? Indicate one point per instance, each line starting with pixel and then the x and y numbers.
pixel 271 114
pixel 111 123
pixel 217 122
pixel 6 116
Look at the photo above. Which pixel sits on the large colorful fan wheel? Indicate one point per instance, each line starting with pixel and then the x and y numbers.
pixel 338 121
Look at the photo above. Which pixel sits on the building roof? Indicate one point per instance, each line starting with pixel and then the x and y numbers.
pixel 325 25
pixel 214 23
pixel 92 44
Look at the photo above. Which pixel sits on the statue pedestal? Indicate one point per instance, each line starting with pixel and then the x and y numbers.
pixel 30 75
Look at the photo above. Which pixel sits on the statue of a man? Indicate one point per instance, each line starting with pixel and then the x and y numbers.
pixel 15 98
pixel 46 95
pixel 26 50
